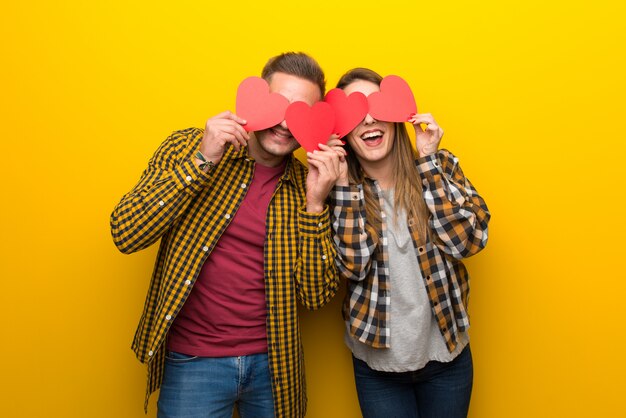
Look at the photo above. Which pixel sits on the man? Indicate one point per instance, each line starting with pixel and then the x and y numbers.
pixel 244 233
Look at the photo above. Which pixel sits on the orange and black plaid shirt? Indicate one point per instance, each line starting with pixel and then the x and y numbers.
pixel 458 224
pixel 189 210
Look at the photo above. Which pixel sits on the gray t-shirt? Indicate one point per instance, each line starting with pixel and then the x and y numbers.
pixel 415 337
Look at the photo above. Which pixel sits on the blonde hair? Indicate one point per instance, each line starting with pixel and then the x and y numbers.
pixel 407 184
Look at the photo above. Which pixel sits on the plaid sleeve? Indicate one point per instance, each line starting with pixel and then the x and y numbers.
pixel 163 192
pixel 354 246
pixel 459 215
pixel 316 274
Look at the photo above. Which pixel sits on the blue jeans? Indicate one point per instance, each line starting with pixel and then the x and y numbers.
pixel 439 390
pixel 195 387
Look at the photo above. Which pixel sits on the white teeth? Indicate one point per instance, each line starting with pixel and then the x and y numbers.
pixel 281 134
pixel 371 135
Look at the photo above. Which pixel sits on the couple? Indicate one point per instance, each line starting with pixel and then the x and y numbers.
pixel 246 230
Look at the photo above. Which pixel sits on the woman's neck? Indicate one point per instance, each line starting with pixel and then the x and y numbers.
pixel 381 171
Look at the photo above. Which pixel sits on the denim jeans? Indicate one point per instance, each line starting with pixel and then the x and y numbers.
pixel 195 387
pixel 438 390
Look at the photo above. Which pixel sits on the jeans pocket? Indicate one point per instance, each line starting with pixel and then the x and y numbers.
pixel 176 357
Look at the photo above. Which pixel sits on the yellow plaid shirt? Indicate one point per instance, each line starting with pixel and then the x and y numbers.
pixel 189 210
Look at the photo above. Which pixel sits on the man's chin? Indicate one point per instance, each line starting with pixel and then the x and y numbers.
pixel 277 144
pixel 281 150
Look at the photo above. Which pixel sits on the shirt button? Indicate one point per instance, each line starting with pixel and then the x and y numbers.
pixel 320 225
pixel 187 282
pixel 188 178
pixel 227 216
pixel 168 317
pixel 205 248
pixel 428 278
pixel 355 196
pixel 161 203
pixel 243 185
pixel 435 303
pixel 324 257
pixel 420 249
pixel 150 353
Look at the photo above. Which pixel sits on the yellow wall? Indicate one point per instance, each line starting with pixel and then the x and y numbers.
pixel 531 97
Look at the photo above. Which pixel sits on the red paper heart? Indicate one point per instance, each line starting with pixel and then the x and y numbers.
pixel 394 102
pixel 260 108
pixel 349 110
pixel 310 125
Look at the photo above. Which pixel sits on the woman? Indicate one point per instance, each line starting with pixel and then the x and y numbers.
pixel 403 220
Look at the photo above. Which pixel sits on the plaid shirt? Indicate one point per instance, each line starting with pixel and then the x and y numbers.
pixel 458 225
pixel 189 210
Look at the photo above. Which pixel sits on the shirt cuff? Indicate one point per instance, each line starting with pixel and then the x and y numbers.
pixel 429 165
pixel 350 196
pixel 313 224
pixel 189 177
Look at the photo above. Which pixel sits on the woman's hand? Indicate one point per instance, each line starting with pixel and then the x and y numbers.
pixel 426 140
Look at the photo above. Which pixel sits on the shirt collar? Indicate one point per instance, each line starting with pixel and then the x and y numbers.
pixel 289 175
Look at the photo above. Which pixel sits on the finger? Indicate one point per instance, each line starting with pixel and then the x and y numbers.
pixel 329 146
pixel 235 127
pixel 325 152
pixel 241 135
pixel 230 139
pixel 422 118
pixel 313 164
pixel 321 168
pixel 334 148
pixel 320 158
pixel 229 128
pixel 335 141
pixel 311 161
pixel 435 130
pixel 231 116
pixel 330 160
pixel 314 156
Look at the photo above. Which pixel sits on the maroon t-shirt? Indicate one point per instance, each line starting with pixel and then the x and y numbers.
pixel 225 314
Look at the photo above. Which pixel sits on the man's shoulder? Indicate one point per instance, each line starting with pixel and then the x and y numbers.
pixel 180 140
pixel 186 134
pixel 299 165
pixel 298 170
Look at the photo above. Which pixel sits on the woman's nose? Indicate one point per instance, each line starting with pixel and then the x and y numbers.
pixel 368 119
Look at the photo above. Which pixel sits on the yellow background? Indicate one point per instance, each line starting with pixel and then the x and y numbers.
pixel 531 97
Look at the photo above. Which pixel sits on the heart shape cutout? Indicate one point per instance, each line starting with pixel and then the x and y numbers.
pixel 310 125
pixel 394 102
pixel 349 110
pixel 260 108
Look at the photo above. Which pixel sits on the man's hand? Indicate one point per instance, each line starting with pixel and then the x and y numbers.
pixel 323 173
pixel 337 145
pixel 221 130
pixel 426 140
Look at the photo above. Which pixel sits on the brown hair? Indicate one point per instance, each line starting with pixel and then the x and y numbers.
pixel 406 180
pixel 297 64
